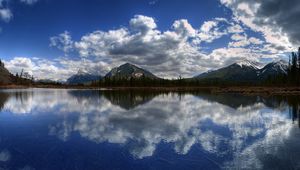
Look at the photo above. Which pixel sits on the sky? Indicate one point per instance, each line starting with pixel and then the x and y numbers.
pixel 53 39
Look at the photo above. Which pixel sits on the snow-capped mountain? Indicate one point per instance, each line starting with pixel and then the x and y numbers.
pixel 248 63
pixel 245 71
pixel 274 68
pixel 240 71
pixel 127 71
pixel 82 77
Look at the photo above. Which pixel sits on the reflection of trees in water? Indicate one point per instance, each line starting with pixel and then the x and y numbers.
pixel 126 99
pixel 232 100
pixel 275 102
pixel 294 112
pixel 22 96
pixel 3 99
pixel 292 102
pixel 81 95
pixel 129 99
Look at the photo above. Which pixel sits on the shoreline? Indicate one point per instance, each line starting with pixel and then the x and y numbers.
pixel 246 90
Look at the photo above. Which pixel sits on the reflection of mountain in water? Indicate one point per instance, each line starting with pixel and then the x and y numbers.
pixel 89 95
pixel 275 102
pixel 238 100
pixel 129 99
pixel 183 121
pixel 123 98
pixel 239 127
pixel 232 100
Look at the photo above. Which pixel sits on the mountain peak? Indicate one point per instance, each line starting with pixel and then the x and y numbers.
pixel 249 63
pixel 82 77
pixel 279 66
pixel 127 65
pixel 129 70
pixel 81 72
pixel 246 71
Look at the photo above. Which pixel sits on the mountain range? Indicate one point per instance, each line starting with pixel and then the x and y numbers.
pixel 245 71
pixel 241 71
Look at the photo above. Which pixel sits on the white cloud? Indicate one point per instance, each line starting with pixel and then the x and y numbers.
pixel 237 37
pixel 254 40
pixel 183 27
pixel 142 24
pixel 167 54
pixel 6 14
pixel 211 30
pixel 58 69
pixel 262 17
pixel 208 25
pixel 63 42
pixel 242 40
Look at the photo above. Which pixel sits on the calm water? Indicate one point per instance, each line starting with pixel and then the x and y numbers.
pixel 89 129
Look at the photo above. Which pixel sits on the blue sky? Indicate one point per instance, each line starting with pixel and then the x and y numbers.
pixel 55 38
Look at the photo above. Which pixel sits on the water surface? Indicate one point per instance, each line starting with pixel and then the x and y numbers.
pixel 90 129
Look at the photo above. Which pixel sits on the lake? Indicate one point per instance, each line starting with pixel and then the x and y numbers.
pixel 91 129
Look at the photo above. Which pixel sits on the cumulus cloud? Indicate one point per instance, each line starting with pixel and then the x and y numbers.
pixel 275 19
pixel 242 40
pixel 144 45
pixel 167 54
pixel 58 69
pixel 142 24
pixel 63 42
pixel 212 30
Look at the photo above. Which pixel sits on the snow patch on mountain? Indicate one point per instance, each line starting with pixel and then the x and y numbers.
pixel 249 63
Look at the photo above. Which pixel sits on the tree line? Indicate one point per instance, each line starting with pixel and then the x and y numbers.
pixel 293 75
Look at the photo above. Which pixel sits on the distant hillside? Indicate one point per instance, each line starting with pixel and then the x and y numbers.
pixel 82 78
pixel 5 76
pixel 245 71
pixel 127 71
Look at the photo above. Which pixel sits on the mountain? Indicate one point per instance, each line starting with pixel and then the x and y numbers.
pixel 82 78
pixel 5 76
pixel 274 68
pixel 242 71
pixel 245 71
pixel 127 71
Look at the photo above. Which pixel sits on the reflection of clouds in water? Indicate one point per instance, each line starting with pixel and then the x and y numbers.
pixel 4 156
pixel 176 121
pixel 36 101
pixel 277 150
pixel 166 118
